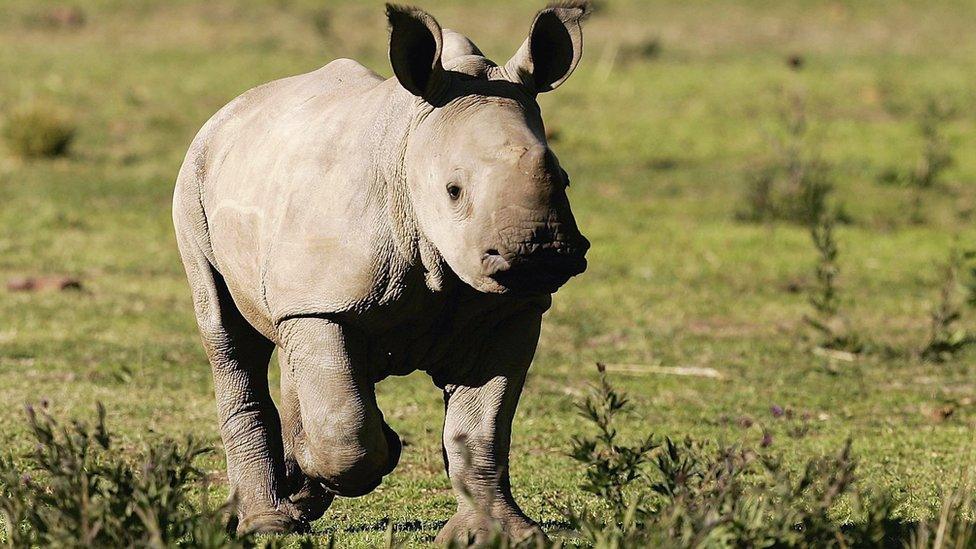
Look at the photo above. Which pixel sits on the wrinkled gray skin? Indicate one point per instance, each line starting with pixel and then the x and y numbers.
pixel 368 228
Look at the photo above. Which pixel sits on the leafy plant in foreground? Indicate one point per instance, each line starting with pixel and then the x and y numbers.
pixel 76 489
pixel 611 469
pixel 689 494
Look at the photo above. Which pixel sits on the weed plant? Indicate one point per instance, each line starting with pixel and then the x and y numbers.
pixel 38 131
pixel 936 157
pixel 794 184
pixel 75 489
pixel 947 335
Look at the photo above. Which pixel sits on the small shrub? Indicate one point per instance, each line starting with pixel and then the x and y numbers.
pixel 761 204
pixel 321 19
pixel 78 490
pixel 644 49
pixel 824 298
pixel 936 157
pixel 793 184
pixel 969 258
pixel 611 468
pixel 689 494
pixel 946 336
pixel 833 328
pixel 37 131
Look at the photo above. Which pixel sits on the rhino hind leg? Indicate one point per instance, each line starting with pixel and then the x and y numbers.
pixel 477 435
pixel 249 424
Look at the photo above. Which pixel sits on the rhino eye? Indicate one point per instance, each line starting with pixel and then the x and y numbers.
pixel 453 191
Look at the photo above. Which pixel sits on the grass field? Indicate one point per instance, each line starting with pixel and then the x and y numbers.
pixel 671 109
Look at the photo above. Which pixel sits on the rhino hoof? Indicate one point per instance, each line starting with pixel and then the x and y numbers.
pixel 272 522
pixel 312 500
pixel 466 527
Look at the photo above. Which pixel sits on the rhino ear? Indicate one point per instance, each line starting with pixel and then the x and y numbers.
pixel 553 48
pixel 415 50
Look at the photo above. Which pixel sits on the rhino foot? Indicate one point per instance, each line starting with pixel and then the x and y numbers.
pixel 311 500
pixel 469 526
pixel 287 519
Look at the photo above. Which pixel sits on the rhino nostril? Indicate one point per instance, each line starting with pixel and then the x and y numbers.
pixel 492 251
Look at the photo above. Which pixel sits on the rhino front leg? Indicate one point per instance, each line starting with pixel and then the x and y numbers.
pixel 337 436
pixel 307 494
pixel 477 434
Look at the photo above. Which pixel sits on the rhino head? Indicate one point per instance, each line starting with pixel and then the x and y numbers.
pixel 487 191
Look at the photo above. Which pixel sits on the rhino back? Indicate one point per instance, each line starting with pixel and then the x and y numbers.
pixel 296 220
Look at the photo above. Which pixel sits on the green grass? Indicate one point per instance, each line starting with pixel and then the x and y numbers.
pixel 659 150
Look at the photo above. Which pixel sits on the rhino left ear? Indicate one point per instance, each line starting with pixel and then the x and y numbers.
pixel 552 50
pixel 416 43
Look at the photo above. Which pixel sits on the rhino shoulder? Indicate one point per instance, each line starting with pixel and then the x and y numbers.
pixel 331 265
pixel 350 71
pixel 336 79
pixel 339 79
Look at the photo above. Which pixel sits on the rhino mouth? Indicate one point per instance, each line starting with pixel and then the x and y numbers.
pixel 542 272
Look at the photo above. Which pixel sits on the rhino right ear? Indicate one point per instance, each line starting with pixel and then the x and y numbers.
pixel 416 43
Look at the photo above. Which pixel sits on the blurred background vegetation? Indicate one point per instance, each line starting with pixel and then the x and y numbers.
pixel 707 141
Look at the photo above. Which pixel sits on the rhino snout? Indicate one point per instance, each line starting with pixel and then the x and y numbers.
pixel 534 266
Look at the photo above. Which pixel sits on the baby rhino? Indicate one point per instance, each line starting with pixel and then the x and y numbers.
pixel 367 228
